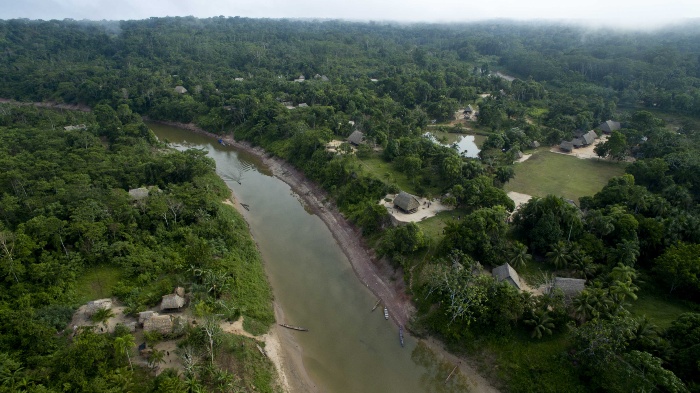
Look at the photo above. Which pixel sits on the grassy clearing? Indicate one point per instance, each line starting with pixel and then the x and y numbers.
pixel 387 172
pixel 659 308
pixel 432 227
pixel 96 283
pixel 569 177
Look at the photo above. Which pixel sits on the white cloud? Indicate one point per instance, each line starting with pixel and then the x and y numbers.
pixel 626 13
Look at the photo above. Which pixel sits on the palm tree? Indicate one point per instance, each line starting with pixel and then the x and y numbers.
pixel 123 346
pixel 102 315
pixel 584 308
pixel 624 273
pixel 155 358
pixel 583 265
pixel 518 256
pixel 560 255
pixel 541 322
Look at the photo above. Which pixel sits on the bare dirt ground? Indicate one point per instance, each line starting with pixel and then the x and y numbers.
pixel 376 275
pixel 428 208
pixel 518 198
pixel 586 152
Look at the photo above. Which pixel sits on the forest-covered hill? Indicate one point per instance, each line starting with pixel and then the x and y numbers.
pixel 634 242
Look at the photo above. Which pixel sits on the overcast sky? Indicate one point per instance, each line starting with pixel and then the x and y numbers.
pixel 622 13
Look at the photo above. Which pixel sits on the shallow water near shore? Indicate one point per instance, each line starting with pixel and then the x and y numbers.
pixel 348 348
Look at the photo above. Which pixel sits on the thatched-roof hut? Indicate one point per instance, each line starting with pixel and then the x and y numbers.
pixel 138 194
pixel 356 138
pixel 162 324
pixel 609 126
pixel 506 273
pixel 407 202
pixel 96 305
pixel 180 89
pixel 172 302
pixel 534 144
pixel 589 137
pixel 76 127
pixel 571 287
pixel 566 146
pixel 146 315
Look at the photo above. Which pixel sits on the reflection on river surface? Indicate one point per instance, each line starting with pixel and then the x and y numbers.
pixel 348 348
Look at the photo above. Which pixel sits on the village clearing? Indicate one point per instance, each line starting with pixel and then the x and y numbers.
pixel 562 175
pixel 428 208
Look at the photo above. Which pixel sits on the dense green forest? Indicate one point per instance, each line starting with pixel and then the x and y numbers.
pixel 635 240
pixel 66 215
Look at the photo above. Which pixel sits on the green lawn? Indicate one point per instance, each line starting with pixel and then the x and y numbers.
pixel 569 177
pixel 660 309
pixel 96 283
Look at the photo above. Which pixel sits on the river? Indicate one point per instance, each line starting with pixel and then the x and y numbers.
pixel 348 348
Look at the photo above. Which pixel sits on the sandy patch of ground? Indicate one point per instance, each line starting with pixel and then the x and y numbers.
pixel 273 350
pixel 524 158
pixel 518 198
pixel 428 208
pixel 81 318
pixel 586 152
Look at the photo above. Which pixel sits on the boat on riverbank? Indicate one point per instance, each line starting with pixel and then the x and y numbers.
pixel 386 313
pixel 401 335
pixel 299 328
pixel 376 304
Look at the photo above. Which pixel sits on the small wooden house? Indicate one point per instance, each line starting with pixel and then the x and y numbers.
pixel 506 273
pixel 406 202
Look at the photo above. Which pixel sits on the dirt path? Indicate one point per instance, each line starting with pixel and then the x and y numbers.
pixel 382 280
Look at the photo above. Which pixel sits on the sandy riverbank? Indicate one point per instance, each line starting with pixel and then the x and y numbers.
pixel 376 275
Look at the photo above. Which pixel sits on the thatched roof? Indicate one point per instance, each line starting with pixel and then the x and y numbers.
pixel 159 323
pixel 238 79
pixel 507 273
pixel 577 142
pixel 356 138
pixel 303 105
pixel 172 302
pixel 570 286
pixel 609 126
pixel 566 146
pixel 180 89
pixel 138 194
pixel 589 137
pixel 180 291
pixel 146 315
pixel 534 144
pixel 406 202
pixel 469 109
pixel 96 305
pixel 76 127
